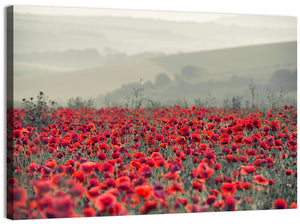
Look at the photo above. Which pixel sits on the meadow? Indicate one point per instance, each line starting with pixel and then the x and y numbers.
pixel 83 162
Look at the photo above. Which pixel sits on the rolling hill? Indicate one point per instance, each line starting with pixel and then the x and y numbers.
pixel 241 64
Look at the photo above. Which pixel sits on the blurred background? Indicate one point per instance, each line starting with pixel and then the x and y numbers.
pixel 148 58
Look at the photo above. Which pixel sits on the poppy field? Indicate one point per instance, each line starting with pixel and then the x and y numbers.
pixel 119 161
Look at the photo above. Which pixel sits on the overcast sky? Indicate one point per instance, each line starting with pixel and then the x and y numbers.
pixel 166 15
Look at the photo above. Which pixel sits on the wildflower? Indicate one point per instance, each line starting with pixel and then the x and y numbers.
pixel 280 204
pixel 260 180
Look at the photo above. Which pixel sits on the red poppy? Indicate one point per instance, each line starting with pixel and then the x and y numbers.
pixel 42 187
pixel 184 131
pixel 271 182
pixel 79 176
pixel 101 156
pixel 196 137
pixel 202 171
pixel 77 190
pixel 87 167
pixel 176 187
pixel 217 166
pixel 145 171
pixel 260 180
pixel 258 163
pixel 246 185
pixel 147 207
pixel 210 199
pixel 247 170
pixel 293 205
pixel 144 191
pixel 93 192
pixel 123 183
pixel 19 197
pixel 63 206
pixel 33 167
pixel 228 188
pixel 104 200
pixel 224 141
pixel 280 204
pixel 198 186
pixel 88 212
pixel 230 203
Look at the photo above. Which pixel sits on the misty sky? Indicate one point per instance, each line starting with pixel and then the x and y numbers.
pixel 162 15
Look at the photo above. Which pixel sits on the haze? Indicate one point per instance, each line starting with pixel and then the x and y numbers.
pixel 92 53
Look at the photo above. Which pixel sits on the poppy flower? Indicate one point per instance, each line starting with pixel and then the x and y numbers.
pixel 217 166
pixel 224 141
pixel 63 206
pixel 196 137
pixel 248 141
pixel 245 170
pixel 77 190
pixel 271 182
pixel 228 188
pixel 219 204
pixel 176 187
pixel 293 205
pixel 246 185
pixel 209 155
pixel 79 176
pixel 238 139
pixel 93 192
pixel 230 203
pixel 145 171
pixel 147 207
pixel 42 187
pixel 171 176
pixel 123 183
pixel 33 167
pixel 104 201
pixel 288 172
pixel 260 180
pixel 87 167
pixel 243 159
pixel 210 199
pixel 101 156
pixel 203 171
pixel 198 186
pixel 258 163
pixel 88 212
pixel 144 191
pixel 280 204
pixel 19 197
pixel 238 128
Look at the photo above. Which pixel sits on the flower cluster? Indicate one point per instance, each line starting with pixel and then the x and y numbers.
pixel 119 161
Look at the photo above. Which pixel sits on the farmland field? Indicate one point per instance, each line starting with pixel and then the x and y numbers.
pixel 119 161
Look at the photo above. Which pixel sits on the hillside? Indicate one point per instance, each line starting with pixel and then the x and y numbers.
pixel 257 61
pixel 191 74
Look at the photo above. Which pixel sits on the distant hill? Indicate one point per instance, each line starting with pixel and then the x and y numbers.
pixel 222 73
pixel 258 61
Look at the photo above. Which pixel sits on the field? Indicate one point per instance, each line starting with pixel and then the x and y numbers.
pixel 118 161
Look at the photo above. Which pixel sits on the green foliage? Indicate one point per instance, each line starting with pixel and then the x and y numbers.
pixel 37 110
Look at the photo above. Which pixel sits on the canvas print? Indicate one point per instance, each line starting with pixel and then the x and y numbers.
pixel 126 112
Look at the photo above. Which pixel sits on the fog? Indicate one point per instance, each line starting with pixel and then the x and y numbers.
pixel 100 54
